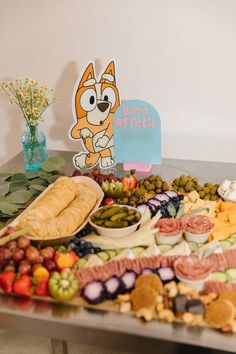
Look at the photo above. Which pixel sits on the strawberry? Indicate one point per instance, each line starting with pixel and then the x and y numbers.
pixel 129 181
pixel 108 201
pixel 6 281
pixel 42 288
pixel 23 286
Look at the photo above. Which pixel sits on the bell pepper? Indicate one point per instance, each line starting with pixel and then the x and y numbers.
pixel 41 273
pixel 65 260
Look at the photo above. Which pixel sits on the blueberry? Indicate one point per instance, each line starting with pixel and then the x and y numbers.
pixel 80 254
pixel 164 203
pixel 175 200
pixel 73 246
pixel 89 245
pixel 181 196
pixel 97 249
pixel 86 251
pixel 81 242
pixel 164 213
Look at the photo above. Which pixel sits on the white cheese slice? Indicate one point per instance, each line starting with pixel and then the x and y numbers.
pixel 126 253
pixel 152 250
pixel 93 261
pixel 182 249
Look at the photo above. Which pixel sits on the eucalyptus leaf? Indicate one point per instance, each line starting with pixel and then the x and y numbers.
pixel 38 181
pixel 8 208
pixel 45 175
pixel 4 176
pixel 32 174
pixel 171 210
pixel 53 163
pixel 180 212
pixel 52 179
pixel 19 197
pixel 19 177
pixel 4 188
pixel 38 187
pixel 15 186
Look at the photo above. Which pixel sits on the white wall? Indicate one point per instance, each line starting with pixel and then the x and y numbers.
pixel 179 55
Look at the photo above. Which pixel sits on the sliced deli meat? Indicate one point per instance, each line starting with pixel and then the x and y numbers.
pixel 196 224
pixel 169 227
pixel 192 268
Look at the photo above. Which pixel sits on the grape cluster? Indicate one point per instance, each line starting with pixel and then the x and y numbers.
pixel 97 175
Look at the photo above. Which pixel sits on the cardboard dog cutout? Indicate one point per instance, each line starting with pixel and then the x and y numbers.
pixel 94 104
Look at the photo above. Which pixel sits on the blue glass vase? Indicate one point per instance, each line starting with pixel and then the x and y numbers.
pixel 34 148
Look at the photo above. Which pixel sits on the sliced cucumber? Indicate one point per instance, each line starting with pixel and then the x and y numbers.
pixel 165 248
pixel 232 240
pixel 137 250
pixel 112 253
pixel 218 276
pixel 231 274
pixel 81 263
pixel 225 244
pixel 104 256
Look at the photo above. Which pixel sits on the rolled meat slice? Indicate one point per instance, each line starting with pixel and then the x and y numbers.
pixel 192 268
pixel 196 224
pixel 169 227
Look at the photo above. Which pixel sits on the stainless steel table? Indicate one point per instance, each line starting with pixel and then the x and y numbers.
pixel 68 323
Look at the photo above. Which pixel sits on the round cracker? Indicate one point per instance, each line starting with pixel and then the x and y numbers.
pixel 220 312
pixel 151 280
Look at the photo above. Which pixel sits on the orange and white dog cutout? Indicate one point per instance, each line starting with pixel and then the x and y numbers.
pixel 94 104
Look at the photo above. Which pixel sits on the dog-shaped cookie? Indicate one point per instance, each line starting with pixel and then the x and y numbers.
pixel 94 105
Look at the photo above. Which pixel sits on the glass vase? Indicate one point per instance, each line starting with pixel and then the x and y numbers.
pixel 34 148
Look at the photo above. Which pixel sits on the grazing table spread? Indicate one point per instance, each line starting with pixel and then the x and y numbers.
pixel 111 270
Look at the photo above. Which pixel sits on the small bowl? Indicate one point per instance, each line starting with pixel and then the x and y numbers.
pixel 116 233
pixel 196 284
pixel 221 194
pixel 168 240
pixel 197 238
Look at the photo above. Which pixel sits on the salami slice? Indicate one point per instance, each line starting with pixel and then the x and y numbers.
pixel 196 224
pixel 169 227
pixel 192 268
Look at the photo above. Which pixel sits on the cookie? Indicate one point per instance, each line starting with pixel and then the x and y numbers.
pixel 151 280
pixel 220 312
pixel 143 297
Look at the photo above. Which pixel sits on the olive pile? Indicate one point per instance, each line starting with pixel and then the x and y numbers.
pixel 187 184
pixel 148 185
pixel 115 217
pixel 153 184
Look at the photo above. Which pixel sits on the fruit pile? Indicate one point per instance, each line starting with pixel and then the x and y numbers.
pixel 27 270
pixel 186 184
pixel 97 175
